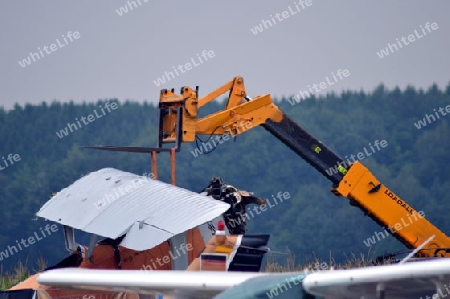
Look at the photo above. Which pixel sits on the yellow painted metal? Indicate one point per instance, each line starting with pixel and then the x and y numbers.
pixel 236 118
pixel 241 118
pixel 393 213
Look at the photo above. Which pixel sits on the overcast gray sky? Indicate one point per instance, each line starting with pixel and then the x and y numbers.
pixel 121 56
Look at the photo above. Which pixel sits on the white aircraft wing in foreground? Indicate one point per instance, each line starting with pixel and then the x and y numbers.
pixel 178 284
pixel 410 280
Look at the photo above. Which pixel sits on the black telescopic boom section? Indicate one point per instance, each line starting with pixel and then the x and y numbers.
pixel 308 147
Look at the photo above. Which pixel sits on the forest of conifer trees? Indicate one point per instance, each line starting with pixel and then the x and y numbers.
pixel 313 222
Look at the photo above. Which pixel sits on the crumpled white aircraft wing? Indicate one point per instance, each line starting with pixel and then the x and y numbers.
pixel 110 203
pixel 409 280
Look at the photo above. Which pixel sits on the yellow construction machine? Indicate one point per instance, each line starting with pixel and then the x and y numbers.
pixel 179 122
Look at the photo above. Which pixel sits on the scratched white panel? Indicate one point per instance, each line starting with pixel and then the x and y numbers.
pixel 110 202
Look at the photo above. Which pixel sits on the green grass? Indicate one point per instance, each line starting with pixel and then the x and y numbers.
pixel 19 273
pixel 313 264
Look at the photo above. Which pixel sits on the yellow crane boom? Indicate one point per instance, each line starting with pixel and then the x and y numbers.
pixel 179 123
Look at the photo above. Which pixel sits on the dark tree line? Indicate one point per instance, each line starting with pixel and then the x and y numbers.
pixel 414 165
